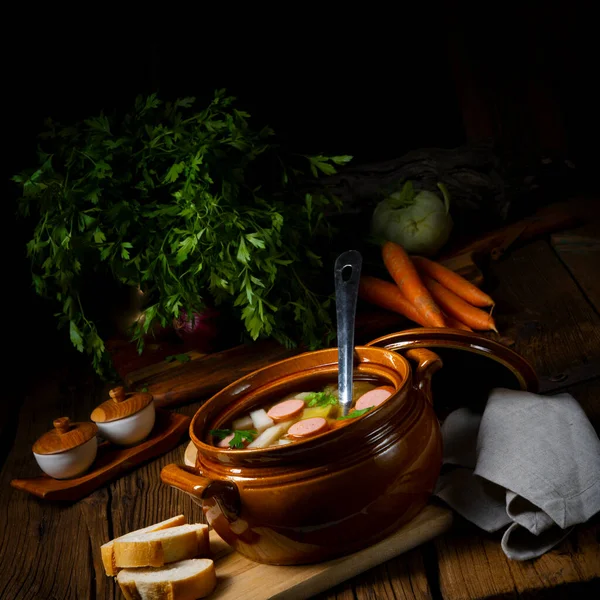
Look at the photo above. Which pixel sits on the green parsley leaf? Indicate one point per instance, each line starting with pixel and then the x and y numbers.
pixel 239 436
pixel 174 172
pixel 242 254
pixel 341 160
pixel 356 413
pixel 220 433
pixel 75 334
pixel 321 399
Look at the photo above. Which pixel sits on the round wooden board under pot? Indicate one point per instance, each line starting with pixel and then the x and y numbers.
pixel 189 458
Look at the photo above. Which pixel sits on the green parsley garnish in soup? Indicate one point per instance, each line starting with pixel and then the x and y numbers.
pixel 321 399
pixel 233 439
pixel 299 416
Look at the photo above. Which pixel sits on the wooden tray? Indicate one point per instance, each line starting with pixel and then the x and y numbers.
pixel 111 461
pixel 239 577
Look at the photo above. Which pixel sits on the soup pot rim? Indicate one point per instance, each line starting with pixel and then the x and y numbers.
pixel 205 448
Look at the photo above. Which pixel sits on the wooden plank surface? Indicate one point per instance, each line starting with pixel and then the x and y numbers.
pixel 42 545
pixel 9 410
pixel 403 577
pixel 547 219
pixel 472 565
pixel 542 309
pixel 579 250
pixel 588 395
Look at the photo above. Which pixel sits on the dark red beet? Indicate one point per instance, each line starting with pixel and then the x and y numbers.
pixel 199 331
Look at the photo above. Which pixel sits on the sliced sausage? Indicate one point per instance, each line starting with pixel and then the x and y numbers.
pixel 307 428
pixel 224 443
pixel 288 409
pixel 374 397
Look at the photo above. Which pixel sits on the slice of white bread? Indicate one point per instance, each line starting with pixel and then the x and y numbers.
pixel 107 550
pixel 158 548
pixel 183 580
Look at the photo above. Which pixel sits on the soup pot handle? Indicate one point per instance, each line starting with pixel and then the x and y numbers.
pixel 185 480
pixel 428 363
pixel 202 489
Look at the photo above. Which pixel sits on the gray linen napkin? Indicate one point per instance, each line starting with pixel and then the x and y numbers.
pixel 531 462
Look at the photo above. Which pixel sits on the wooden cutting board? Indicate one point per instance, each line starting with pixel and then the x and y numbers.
pixel 240 578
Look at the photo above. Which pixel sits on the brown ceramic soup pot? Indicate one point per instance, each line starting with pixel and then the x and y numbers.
pixel 328 495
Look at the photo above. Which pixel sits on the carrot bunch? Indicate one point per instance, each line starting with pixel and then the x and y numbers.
pixel 427 293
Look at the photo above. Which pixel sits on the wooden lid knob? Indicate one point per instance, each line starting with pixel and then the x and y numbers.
pixel 62 424
pixel 117 394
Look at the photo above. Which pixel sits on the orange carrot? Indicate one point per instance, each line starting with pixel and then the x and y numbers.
pixel 453 281
pixel 455 323
pixel 456 307
pixel 387 295
pixel 403 272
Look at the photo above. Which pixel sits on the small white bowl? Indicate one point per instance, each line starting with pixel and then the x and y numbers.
pixel 70 463
pixel 68 450
pixel 125 418
pixel 129 430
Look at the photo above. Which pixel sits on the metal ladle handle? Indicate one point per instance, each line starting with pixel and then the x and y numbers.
pixel 347 277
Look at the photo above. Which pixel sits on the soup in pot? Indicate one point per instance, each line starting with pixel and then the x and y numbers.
pixel 298 416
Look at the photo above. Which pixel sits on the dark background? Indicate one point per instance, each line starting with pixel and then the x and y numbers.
pixel 371 85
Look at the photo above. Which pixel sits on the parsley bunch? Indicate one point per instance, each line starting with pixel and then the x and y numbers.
pixel 175 201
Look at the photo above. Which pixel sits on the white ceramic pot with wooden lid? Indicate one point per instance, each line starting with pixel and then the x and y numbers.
pixel 126 418
pixel 68 450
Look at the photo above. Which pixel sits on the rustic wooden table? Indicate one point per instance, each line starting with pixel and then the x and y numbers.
pixel 548 295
